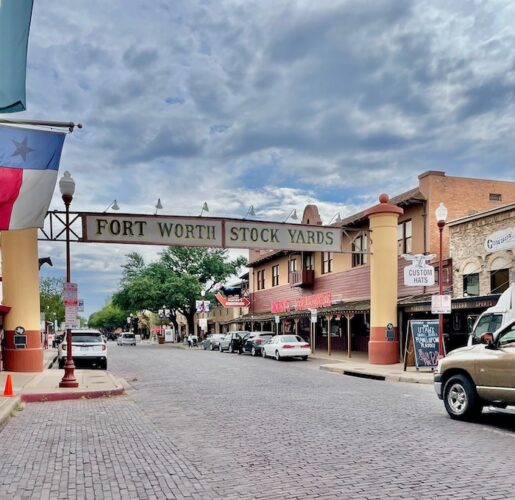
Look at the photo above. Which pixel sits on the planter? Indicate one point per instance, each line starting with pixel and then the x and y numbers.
pixel 160 340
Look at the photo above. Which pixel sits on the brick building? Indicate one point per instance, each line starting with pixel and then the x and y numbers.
pixel 480 269
pixel 286 285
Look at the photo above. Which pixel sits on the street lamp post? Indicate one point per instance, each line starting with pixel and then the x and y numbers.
pixel 441 216
pixel 67 187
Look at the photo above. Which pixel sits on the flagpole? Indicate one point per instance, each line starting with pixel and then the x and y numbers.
pixel 42 123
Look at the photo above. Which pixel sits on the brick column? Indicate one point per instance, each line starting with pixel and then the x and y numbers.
pixel 383 281
pixel 20 276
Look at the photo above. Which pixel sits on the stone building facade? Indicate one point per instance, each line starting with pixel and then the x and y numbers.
pixel 476 270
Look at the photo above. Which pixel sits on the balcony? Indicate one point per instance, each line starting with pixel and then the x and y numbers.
pixel 304 278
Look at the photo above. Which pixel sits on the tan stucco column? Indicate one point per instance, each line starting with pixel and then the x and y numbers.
pixel 383 281
pixel 20 279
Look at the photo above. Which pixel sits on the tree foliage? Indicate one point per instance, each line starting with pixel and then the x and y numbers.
pixel 108 318
pixel 50 296
pixel 175 280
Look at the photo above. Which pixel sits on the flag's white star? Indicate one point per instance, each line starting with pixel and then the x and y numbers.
pixel 22 149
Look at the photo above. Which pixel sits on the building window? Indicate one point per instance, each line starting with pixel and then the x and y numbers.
pixel 275 275
pixel 471 284
pixel 327 262
pixel 499 280
pixel 495 197
pixel 261 280
pixel 360 244
pixel 404 234
pixel 309 262
pixel 292 267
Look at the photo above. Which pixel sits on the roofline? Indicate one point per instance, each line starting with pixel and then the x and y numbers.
pixel 480 215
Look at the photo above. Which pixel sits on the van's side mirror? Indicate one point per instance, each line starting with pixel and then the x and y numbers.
pixel 487 338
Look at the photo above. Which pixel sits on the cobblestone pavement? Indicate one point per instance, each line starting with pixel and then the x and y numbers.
pixel 199 424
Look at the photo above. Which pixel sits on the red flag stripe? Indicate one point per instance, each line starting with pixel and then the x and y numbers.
pixel 9 190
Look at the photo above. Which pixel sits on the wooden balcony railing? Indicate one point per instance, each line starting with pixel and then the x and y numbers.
pixel 304 278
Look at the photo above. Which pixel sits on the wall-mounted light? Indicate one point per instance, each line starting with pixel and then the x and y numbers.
pixel 205 208
pixel 159 206
pixel 113 205
pixel 292 215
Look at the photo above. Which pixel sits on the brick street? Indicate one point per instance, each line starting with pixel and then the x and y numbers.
pixel 200 425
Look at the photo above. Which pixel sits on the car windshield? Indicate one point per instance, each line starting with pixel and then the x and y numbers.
pixel 84 337
pixel 129 336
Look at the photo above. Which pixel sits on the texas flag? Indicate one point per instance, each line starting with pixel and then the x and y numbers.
pixel 29 160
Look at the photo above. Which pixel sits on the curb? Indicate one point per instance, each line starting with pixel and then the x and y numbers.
pixel 7 408
pixel 43 397
pixel 406 378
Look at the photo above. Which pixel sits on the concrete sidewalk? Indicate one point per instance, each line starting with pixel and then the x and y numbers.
pixel 358 366
pixel 44 386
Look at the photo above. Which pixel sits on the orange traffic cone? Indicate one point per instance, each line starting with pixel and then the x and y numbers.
pixel 8 391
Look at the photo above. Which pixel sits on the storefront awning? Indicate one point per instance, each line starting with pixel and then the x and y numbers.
pixel 4 309
pixel 422 303
pixel 356 307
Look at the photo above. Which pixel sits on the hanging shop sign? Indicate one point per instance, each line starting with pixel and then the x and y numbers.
pixel 232 301
pixel 208 232
pixel 419 273
pixel 501 240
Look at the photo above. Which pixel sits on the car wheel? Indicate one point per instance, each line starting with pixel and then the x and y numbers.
pixel 304 358
pixel 210 347
pixel 253 351
pixel 263 353
pixel 461 399
pixel 277 356
pixel 61 363
pixel 103 365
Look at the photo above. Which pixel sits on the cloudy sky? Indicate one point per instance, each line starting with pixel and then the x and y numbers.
pixel 274 103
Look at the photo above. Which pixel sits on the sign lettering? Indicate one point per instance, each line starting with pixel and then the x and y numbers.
pixel 208 232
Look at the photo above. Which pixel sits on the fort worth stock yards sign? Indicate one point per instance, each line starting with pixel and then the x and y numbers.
pixel 208 232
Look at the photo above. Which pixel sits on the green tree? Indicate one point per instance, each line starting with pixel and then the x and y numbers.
pixel 175 280
pixel 50 296
pixel 108 318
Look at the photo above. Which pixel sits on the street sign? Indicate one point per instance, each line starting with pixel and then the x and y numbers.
pixel 313 315
pixel 277 319
pixel 70 317
pixel 70 291
pixel 441 304
pixel 80 305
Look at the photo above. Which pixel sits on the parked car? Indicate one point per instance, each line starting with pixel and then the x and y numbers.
pixel 254 341
pixel 212 341
pixel 88 347
pixel 126 339
pixel 286 346
pixel 233 341
pixel 472 377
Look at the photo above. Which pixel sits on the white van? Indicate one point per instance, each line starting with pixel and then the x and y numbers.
pixel 494 317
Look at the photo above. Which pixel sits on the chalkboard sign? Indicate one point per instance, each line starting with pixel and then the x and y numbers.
pixel 425 342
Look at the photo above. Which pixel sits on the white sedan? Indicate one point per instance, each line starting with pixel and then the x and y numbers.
pixel 286 346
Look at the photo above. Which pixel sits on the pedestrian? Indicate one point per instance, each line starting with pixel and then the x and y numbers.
pixel 190 340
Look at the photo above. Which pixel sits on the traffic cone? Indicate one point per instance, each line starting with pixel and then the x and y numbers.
pixel 8 390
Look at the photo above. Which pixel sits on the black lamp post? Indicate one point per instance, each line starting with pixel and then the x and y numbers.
pixel 441 217
pixel 67 187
